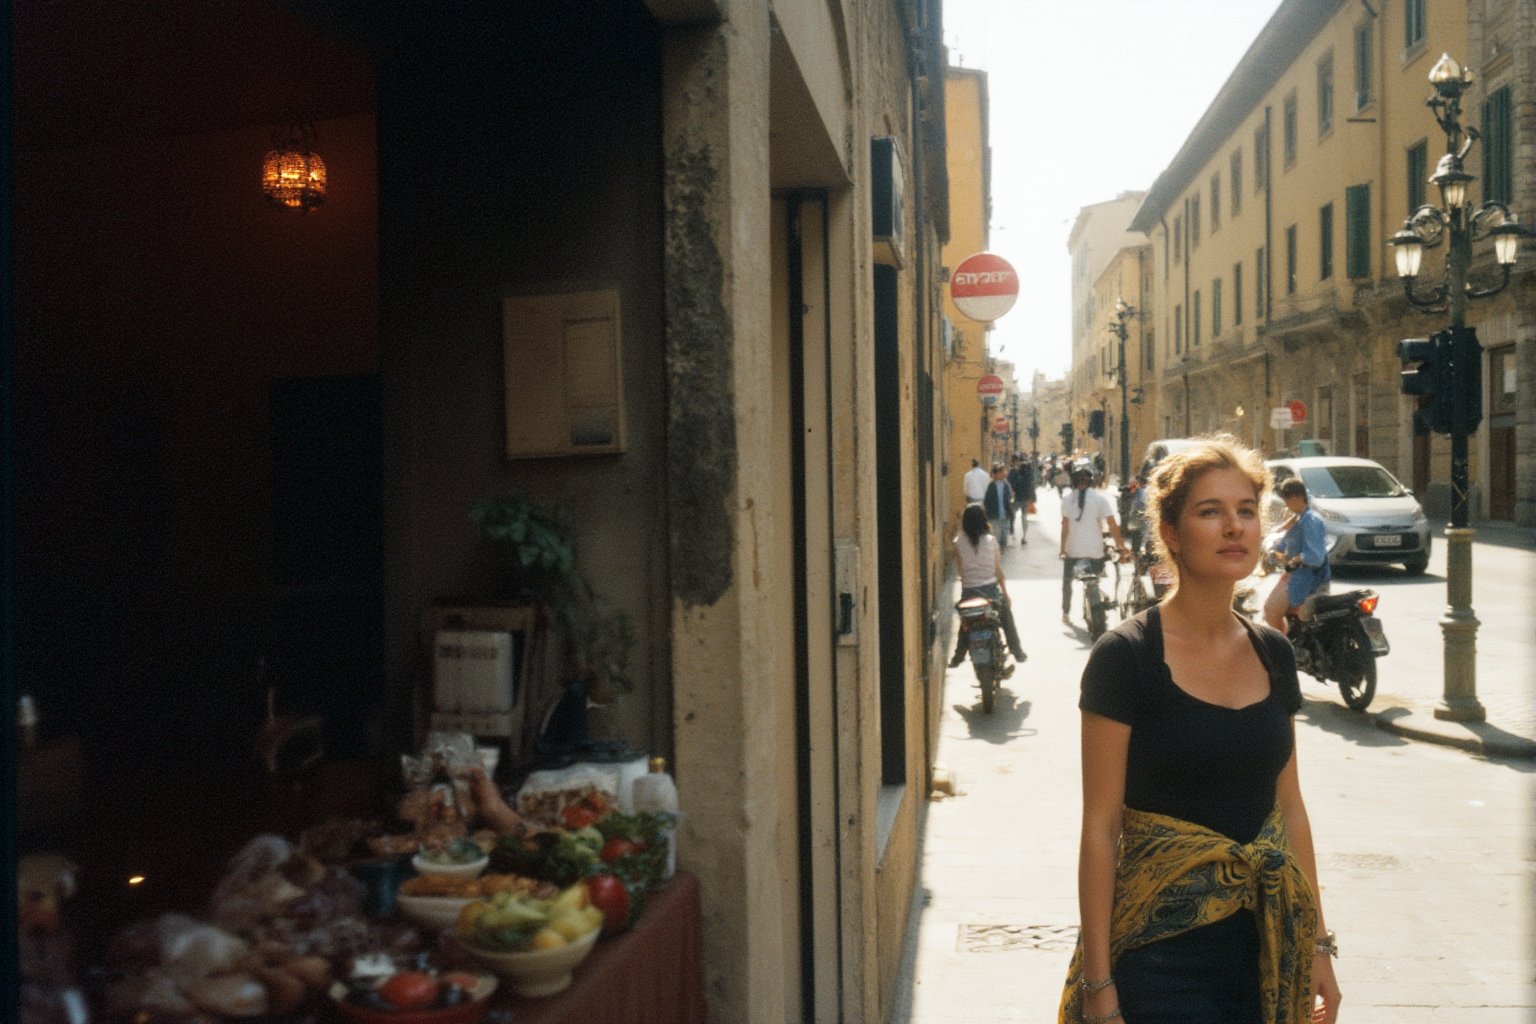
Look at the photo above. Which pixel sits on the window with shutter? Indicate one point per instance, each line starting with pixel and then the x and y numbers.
pixel 1498 148
pixel 1357 230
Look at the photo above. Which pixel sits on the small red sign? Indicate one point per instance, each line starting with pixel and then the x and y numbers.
pixel 1298 410
pixel 984 286
pixel 989 384
pixel 1001 425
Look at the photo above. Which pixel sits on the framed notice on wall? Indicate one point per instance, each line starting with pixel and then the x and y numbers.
pixel 564 389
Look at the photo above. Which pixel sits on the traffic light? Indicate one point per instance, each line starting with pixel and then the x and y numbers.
pixel 1066 436
pixel 1096 423
pixel 1466 379
pixel 1427 376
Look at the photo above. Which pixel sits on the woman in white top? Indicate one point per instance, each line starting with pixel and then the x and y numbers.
pixel 981 575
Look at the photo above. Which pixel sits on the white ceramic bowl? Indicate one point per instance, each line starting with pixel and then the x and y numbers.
pixel 435 912
pixel 470 869
pixel 535 972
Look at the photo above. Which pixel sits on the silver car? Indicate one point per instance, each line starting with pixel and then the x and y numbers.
pixel 1371 518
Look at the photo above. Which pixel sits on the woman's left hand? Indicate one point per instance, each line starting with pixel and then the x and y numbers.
pixel 1325 990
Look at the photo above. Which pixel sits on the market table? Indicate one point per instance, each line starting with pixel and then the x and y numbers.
pixel 652 974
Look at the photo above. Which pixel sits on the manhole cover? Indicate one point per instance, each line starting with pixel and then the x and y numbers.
pixel 1365 861
pixel 1002 938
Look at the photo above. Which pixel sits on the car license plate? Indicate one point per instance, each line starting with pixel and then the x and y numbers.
pixel 1388 540
pixel 1378 635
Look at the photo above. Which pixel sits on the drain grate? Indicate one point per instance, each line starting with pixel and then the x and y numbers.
pixel 1003 938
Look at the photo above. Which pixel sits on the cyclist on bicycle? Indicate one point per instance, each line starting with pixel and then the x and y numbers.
pixel 1085 514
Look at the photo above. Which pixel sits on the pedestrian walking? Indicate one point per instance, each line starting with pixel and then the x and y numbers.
pixel 998 503
pixel 1085 515
pixel 1022 480
pixel 1197 882
pixel 975 482
pixel 980 564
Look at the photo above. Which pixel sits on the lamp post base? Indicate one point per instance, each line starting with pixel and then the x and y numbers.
pixel 1459 626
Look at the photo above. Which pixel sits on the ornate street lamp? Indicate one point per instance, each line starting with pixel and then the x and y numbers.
pixel 1459 226
pixel 1123 314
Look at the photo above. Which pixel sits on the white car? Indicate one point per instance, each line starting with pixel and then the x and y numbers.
pixel 1372 519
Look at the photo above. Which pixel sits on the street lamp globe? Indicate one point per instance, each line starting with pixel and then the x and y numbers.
pixel 1506 241
pixel 1120 306
pixel 1408 250
pixel 1448 77
pixel 1452 180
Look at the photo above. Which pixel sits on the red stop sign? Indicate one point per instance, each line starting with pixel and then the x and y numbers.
pixel 984 286
pixel 1298 410
pixel 1001 425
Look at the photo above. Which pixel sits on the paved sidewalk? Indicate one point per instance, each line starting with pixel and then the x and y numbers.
pixel 1425 851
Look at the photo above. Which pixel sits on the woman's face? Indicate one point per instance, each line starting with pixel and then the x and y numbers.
pixel 1218 532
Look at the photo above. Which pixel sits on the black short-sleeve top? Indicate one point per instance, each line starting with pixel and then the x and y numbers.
pixel 1200 762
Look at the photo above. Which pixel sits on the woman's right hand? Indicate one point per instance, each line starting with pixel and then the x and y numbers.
pixel 1097 1004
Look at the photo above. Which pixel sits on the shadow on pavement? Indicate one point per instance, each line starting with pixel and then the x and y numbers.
pixel 1486 741
pixel 1005 721
pixel 1355 726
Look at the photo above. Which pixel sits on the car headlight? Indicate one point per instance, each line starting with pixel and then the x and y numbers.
pixel 1332 516
pixel 1418 514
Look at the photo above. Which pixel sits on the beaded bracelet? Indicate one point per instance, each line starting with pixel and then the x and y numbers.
pixel 1105 1019
pixel 1097 986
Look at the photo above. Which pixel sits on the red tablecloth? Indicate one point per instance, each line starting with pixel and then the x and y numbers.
pixel 652 974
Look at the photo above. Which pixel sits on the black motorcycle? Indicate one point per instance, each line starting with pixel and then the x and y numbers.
pixel 982 630
pixel 1339 642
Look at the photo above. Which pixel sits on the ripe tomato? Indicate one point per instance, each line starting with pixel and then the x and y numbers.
pixel 618 848
pixel 410 990
pixel 609 895
pixel 577 816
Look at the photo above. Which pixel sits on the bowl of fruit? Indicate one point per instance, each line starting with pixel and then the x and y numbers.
pixel 415 997
pixel 459 858
pixel 533 944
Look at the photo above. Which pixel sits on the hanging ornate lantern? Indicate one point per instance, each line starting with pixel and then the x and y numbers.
pixel 292 175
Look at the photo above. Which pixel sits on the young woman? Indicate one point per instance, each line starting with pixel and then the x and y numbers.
pixel 1197 882
pixel 980 563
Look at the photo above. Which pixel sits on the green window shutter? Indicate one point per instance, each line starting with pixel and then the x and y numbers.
pixel 1497 148
pixel 1357 228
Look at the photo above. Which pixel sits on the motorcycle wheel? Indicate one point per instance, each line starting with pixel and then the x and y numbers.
pixel 1359 693
pixel 987 677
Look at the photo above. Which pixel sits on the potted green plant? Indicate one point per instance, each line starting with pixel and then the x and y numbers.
pixel 535 550
pixel 540 562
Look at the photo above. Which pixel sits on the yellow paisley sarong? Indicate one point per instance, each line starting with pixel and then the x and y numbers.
pixel 1174 876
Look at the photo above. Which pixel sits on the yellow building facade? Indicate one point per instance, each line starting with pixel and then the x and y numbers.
pixel 1267 234
pixel 970 179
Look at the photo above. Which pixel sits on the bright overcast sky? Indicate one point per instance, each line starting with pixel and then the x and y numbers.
pixel 1089 98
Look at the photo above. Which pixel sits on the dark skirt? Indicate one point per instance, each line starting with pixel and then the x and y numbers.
pixel 1207 975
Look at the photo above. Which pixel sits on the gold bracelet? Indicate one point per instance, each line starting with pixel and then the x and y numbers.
pixel 1097 986
pixel 1105 1019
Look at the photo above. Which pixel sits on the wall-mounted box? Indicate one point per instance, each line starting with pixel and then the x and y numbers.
pixel 561 361
pixel 887 196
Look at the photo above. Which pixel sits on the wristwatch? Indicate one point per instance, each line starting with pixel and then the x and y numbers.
pixel 1329 943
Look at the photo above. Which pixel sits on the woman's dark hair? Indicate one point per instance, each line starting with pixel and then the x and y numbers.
pixel 1293 487
pixel 973 521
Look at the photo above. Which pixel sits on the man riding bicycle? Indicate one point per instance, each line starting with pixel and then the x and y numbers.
pixel 1085 513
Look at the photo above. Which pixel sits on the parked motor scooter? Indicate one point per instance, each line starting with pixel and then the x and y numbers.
pixel 982 629
pixel 1340 639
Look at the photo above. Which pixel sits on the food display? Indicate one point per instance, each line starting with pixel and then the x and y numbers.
pixel 413 995
pixel 512 921
pixel 572 798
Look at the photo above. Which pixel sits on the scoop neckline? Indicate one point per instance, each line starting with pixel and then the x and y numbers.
pixel 1254 640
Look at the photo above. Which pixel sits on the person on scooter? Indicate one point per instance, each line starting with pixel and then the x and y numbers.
pixel 1306 557
pixel 1085 513
pixel 980 563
